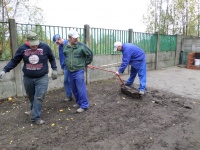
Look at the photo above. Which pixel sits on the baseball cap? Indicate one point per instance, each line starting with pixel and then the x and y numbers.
pixel 55 38
pixel 32 38
pixel 73 33
pixel 116 44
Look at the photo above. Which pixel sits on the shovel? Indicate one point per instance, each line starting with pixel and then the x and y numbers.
pixel 124 89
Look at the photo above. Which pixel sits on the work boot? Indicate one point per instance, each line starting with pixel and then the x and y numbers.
pixel 39 122
pixel 28 112
pixel 80 110
pixel 68 99
pixel 141 92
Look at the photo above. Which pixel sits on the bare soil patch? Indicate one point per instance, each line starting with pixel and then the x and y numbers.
pixel 114 121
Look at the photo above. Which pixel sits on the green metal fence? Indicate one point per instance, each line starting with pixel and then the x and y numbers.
pixel 167 43
pixel 101 40
pixel 145 41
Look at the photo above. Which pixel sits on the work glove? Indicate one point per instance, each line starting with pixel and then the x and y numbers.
pixel 54 74
pixel 2 74
pixel 117 73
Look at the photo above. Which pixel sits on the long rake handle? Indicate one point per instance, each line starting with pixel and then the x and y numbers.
pixel 93 67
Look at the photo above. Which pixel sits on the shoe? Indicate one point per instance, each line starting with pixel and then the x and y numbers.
pixel 28 112
pixel 39 122
pixel 80 110
pixel 76 106
pixel 141 92
pixel 68 99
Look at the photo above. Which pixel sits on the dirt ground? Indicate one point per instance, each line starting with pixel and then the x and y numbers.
pixel 159 121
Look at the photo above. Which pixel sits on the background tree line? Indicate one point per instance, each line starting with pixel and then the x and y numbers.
pixel 23 11
pixel 173 17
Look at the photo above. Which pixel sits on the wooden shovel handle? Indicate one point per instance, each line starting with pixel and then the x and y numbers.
pixel 93 67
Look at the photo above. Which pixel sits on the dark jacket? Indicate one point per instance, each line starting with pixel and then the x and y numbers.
pixel 77 57
pixel 35 61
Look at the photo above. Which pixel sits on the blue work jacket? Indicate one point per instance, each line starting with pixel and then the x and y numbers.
pixel 132 55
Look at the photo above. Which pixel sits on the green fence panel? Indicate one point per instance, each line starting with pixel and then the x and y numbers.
pixel 145 41
pixel 102 40
pixel 167 43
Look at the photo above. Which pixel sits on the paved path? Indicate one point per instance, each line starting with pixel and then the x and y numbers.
pixel 182 81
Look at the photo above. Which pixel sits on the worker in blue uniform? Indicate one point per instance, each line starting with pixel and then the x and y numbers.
pixel 134 56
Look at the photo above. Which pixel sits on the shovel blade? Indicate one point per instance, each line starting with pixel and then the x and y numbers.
pixel 130 92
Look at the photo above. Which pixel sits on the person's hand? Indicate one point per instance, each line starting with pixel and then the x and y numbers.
pixel 90 66
pixel 2 74
pixel 54 74
pixel 117 73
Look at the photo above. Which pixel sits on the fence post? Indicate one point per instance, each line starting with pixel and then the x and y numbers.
pixel 157 50
pixel 14 46
pixel 130 35
pixel 176 52
pixel 130 40
pixel 87 42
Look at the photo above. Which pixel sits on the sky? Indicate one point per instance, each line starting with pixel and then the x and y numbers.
pixel 108 14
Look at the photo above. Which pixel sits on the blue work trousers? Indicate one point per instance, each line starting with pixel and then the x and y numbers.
pixel 36 89
pixel 67 85
pixel 141 71
pixel 79 88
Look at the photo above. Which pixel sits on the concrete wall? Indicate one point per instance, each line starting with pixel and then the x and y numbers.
pixel 191 44
pixel 165 59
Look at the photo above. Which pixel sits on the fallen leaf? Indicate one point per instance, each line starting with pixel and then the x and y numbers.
pixel 9 98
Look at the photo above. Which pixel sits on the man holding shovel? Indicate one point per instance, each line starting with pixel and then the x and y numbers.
pixel 134 56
